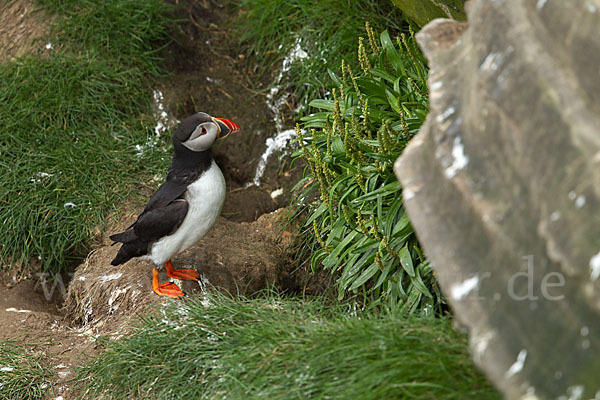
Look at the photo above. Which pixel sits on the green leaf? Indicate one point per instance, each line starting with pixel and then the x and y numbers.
pixel 322 104
pixel 394 102
pixel 382 74
pixel 337 146
pixel 334 77
pixel 332 258
pixel 420 285
pixel 392 53
pixel 406 261
pixel 365 276
pixel 384 274
pixel 392 187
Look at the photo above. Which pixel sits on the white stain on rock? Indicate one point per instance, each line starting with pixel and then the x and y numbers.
pixel 12 309
pixel 276 193
pixel 480 344
pixel 517 365
pixel 164 123
pixel 436 85
pixel 491 62
pixel 276 99
pixel 540 4
pixel 277 143
pixel 460 160
pixel 113 297
pixel 575 392
pixel 446 114
pixel 595 266
pixel 460 290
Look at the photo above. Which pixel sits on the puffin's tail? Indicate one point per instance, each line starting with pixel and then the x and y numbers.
pixel 121 257
pixel 132 246
pixel 124 237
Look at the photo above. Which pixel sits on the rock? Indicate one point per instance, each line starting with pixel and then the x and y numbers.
pixel 240 258
pixel 502 187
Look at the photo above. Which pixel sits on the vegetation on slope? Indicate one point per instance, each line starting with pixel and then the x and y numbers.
pixel 21 374
pixel 358 220
pixel 309 37
pixel 278 348
pixel 71 120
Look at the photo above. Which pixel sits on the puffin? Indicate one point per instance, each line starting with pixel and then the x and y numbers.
pixel 185 206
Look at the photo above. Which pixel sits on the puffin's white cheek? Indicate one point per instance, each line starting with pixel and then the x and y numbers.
pixel 201 143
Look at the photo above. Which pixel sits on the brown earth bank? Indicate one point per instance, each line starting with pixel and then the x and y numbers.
pixel 21 28
pixel 249 248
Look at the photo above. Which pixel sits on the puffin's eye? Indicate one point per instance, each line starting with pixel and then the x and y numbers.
pixel 203 130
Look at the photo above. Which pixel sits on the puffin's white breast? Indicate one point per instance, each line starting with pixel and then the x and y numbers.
pixel 205 199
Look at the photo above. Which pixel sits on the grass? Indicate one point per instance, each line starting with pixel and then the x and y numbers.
pixel 70 122
pixel 278 348
pixel 326 30
pixel 21 374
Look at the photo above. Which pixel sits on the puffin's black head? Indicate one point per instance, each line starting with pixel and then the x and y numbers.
pixel 199 131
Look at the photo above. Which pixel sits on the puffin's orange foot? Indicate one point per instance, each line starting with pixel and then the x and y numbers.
pixel 184 274
pixel 168 289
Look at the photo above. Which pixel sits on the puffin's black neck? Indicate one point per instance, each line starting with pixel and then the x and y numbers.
pixel 188 165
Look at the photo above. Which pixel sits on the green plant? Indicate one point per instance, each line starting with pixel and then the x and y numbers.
pixel 423 11
pixel 277 348
pixel 21 375
pixel 70 122
pixel 363 232
pixel 308 36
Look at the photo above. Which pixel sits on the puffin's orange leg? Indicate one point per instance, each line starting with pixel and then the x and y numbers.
pixel 184 274
pixel 168 289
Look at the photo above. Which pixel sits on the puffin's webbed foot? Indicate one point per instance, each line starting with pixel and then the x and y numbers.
pixel 168 289
pixel 183 274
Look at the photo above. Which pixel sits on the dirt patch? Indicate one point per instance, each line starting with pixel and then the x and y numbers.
pixel 21 27
pixel 30 314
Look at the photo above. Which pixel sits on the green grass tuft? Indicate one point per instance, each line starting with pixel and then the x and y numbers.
pixel 277 348
pixel 327 31
pixel 21 375
pixel 70 122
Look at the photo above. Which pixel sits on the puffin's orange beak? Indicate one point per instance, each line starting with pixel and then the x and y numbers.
pixel 226 126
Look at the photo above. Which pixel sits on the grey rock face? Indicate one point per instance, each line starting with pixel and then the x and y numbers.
pixel 502 186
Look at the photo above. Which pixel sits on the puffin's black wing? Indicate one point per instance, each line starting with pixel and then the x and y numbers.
pixel 166 193
pixel 153 223
pixel 158 222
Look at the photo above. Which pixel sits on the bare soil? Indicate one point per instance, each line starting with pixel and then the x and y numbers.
pixel 206 73
pixel 21 28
